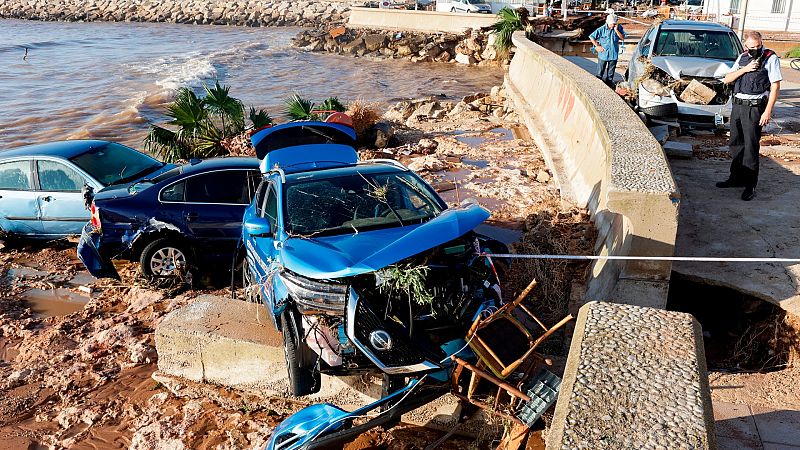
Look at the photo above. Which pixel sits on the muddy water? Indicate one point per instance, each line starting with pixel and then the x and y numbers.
pixel 110 80
pixel 54 302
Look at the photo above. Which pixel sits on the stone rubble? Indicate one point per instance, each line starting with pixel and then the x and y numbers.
pixel 472 47
pixel 253 13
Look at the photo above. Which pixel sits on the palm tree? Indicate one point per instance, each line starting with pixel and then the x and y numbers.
pixel 511 20
pixel 202 127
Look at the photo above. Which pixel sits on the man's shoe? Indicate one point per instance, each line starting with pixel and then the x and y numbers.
pixel 729 183
pixel 749 193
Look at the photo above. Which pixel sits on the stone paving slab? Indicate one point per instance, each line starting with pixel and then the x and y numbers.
pixel 744 427
pixel 777 426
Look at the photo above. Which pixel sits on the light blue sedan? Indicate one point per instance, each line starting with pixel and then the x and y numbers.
pixel 40 185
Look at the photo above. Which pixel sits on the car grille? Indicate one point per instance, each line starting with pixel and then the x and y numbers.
pixel 401 353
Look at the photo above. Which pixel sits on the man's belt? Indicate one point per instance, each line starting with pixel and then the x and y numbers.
pixel 755 102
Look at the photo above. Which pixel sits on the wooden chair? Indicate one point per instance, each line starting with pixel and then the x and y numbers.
pixel 503 341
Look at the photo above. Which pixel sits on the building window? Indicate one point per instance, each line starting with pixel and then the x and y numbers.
pixel 734 6
pixel 778 6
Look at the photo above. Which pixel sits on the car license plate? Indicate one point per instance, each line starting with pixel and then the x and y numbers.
pixel 718 120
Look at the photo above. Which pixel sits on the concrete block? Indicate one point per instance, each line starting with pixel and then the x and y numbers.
pixel 219 340
pixel 234 343
pixel 678 149
pixel 635 378
pixel 661 133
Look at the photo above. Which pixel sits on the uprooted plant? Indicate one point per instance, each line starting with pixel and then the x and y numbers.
pixel 405 278
pixel 299 108
pixel 203 127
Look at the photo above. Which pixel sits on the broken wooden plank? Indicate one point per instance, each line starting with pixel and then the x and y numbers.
pixel 515 437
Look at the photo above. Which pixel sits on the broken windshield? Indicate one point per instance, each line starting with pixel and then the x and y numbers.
pixel 697 43
pixel 358 202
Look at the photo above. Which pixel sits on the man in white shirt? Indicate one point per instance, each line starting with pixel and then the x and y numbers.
pixel 756 78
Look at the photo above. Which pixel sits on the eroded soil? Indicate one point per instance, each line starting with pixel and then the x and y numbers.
pixel 75 368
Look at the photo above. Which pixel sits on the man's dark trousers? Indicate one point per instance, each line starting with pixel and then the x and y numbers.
pixel 744 143
pixel 606 70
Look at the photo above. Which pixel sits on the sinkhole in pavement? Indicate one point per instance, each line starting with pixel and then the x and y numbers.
pixel 740 332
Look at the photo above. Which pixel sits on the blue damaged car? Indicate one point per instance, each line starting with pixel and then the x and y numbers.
pixel 43 186
pixel 362 264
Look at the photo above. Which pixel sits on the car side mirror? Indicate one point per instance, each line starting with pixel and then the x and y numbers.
pixel 258 227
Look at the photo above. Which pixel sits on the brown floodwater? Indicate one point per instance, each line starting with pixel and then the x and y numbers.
pixel 54 302
pixel 112 80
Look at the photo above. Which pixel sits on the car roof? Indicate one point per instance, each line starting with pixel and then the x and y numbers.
pixel 692 25
pixel 230 162
pixel 65 149
pixel 366 167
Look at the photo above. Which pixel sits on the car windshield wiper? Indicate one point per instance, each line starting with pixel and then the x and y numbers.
pixel 320 133
pixel 138 174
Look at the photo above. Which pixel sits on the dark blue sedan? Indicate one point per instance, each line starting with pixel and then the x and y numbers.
pixel 189 216
pixel 40 185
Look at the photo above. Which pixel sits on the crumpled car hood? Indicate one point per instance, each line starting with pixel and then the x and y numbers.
pixel 354 254
pixel 678 67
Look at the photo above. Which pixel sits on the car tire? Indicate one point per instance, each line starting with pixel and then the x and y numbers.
pixel 304 377
pixel 160 257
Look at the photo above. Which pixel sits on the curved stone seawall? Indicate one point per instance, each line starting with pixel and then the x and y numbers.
pixel 603 157
pixel 253 13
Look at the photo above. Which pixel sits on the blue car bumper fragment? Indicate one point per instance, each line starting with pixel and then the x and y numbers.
pixel 89 254
pixel 325 425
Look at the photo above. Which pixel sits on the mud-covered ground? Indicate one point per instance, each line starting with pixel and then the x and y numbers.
pixel 77 354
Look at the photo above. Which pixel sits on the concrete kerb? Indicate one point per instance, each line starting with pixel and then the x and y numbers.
pixel 604 158
pixel 635 377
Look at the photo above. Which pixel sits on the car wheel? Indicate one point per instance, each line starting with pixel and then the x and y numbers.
pixel 162 257
pixel 304 378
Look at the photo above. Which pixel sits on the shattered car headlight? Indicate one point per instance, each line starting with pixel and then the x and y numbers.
pixel 315 297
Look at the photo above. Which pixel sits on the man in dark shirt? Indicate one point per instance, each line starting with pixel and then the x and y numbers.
pixel 756 78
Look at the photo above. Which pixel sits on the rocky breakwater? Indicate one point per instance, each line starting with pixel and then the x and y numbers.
pixel 470 47
pixel 253 13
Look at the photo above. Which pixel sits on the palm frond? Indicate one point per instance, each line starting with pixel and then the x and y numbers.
pixel 333 104
pixel 166 144
pixel 298 108
pixel 227 110
pixel 259 118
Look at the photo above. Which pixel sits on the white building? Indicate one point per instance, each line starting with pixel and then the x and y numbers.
pixel 762 15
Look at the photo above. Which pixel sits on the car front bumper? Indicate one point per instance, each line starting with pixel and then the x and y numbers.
pixel 670 107
pixel 89 254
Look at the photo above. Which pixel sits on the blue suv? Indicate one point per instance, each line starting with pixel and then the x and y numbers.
pixel 362 264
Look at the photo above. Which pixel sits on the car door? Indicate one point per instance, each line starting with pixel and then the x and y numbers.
pixel 19 205
pixel 61 204
pixel 214 206
pixel 261 252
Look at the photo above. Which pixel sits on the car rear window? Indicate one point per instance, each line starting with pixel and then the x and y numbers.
pixel 115 163
pixel 697 43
